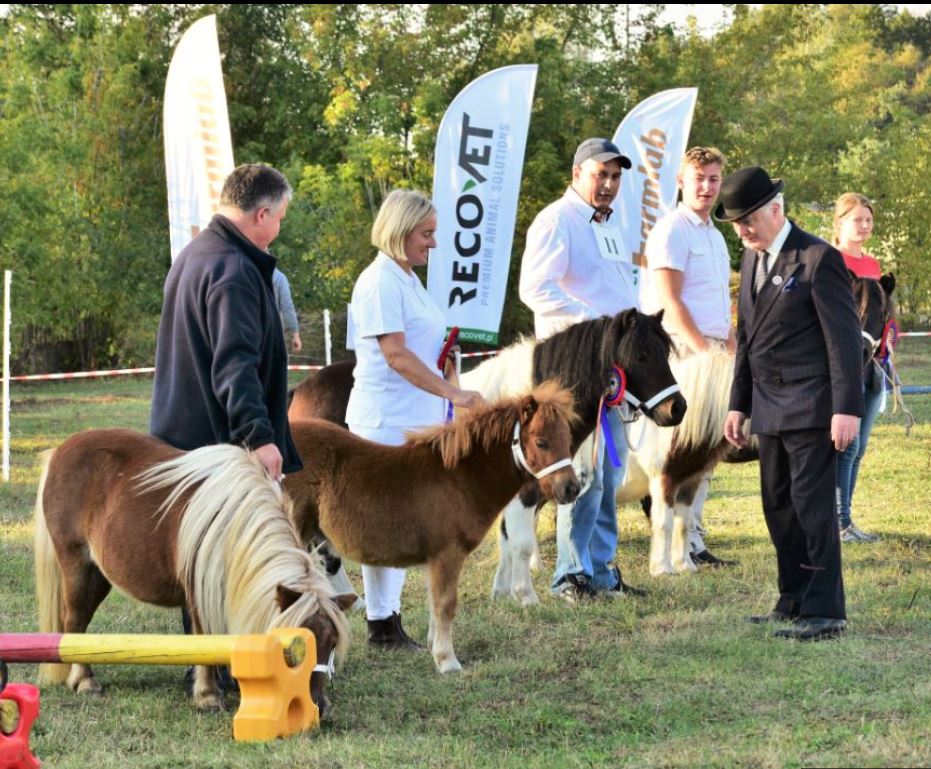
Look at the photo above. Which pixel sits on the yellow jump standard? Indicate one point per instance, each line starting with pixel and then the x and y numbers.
pixel 273 670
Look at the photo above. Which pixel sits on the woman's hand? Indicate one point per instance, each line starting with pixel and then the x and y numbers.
pixel 467 399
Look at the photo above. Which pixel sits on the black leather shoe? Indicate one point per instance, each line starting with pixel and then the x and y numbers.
pixel 774 616
pixel 813 629
pixel 707 558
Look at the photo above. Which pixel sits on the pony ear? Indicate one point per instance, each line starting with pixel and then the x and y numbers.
pixel 887 281
pixel 286 597
pixel 618 326
pixel 345 601
pixel 528 407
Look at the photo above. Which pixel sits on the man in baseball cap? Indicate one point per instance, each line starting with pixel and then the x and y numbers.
pixel 577 268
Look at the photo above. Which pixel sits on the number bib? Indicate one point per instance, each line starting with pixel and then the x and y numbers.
pixel 610 243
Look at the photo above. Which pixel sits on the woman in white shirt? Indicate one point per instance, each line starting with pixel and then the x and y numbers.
pixel 397 331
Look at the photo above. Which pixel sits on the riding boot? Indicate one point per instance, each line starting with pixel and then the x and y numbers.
pixel 388 633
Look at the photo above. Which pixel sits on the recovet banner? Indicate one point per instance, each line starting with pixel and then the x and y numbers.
pixel 476 182
pixel 198 148
pixel 654 135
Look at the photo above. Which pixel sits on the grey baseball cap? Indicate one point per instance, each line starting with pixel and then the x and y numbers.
pixel 601 150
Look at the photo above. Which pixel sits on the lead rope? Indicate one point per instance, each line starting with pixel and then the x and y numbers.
pixel 887 345
pixel 612 397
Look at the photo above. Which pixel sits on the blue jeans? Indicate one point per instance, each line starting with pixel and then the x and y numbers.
pixel 848 461
pixel 586 537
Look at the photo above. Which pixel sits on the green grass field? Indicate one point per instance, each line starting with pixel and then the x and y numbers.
pixel 676 679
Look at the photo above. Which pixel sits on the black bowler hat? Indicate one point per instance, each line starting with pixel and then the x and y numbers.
pixel 744 191
pixel 601 150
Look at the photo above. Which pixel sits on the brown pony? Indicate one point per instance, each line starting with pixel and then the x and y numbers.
pixel 206 528
pixel 433 499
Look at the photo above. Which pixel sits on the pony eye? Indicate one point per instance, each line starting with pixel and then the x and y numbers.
pixel 541 444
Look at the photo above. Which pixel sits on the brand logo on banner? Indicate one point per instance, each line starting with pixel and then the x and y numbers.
pixel 654 135
pixel 476 183
pixel 198 148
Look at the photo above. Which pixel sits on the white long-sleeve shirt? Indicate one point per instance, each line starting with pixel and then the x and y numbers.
pixel 565 275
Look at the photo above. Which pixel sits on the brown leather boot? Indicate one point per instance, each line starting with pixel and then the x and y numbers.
pixel 388 633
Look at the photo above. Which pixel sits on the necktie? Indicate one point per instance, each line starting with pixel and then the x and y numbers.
pixel 761 272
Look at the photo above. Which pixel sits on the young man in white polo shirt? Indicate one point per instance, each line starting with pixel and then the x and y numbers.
pixel 688 278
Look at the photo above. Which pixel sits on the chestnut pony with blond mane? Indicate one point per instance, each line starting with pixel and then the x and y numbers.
pixel 205 528
pixel 432 500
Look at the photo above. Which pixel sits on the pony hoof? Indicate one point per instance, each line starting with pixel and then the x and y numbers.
pixel 685 566
pixel 88 686
pixel 210 703
pixel 449 666
pixel 660 569
pixel 529 599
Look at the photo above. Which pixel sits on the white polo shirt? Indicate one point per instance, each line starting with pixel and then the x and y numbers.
pixel 386 300
pixel 682 241
pixel 566 275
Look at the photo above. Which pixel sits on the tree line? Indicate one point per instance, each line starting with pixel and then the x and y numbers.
pixel 346 100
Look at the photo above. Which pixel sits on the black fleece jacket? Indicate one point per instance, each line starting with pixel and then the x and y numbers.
pixel 220 360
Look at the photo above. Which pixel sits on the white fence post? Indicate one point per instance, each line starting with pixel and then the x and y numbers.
pixel 327 340
pixel 7 280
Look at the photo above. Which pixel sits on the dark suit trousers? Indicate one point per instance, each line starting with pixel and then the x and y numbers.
pixel 797 480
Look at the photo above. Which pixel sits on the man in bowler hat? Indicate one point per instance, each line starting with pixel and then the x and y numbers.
pixel 797 377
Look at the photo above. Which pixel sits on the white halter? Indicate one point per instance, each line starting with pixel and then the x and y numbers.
pixel 521 461
pixel 329 668
pixel 647 406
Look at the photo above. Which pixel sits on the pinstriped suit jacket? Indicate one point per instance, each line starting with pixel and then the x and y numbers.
pixel 799 349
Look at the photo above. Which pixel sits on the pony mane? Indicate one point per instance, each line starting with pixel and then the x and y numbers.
pixel 705 380
pixel 506 374
pixel 485 427
pixel 237 542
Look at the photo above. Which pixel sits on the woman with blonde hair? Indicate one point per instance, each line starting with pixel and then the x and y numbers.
pixel 853 226
pixel 397 331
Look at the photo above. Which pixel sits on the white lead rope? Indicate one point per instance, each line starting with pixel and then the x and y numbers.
pixel 521 461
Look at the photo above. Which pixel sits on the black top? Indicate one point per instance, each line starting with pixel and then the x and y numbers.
pixel 220 361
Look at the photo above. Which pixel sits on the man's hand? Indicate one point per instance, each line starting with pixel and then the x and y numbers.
pixel 844 428
pixel 271 460
pixel 296 344
pixel 731 344
pixel 734 429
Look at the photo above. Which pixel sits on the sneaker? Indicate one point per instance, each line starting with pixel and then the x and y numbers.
pixel 575 588
pixel 854 533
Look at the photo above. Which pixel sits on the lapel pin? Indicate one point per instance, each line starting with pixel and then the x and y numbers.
pixel 777 280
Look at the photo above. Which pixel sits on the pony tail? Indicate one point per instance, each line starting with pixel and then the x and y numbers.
pixel 48 580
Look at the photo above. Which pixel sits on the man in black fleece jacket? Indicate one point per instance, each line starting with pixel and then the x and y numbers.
pixel 220 362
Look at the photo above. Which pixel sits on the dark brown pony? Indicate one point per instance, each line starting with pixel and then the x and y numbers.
pixel 432 500
pixel 205 528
